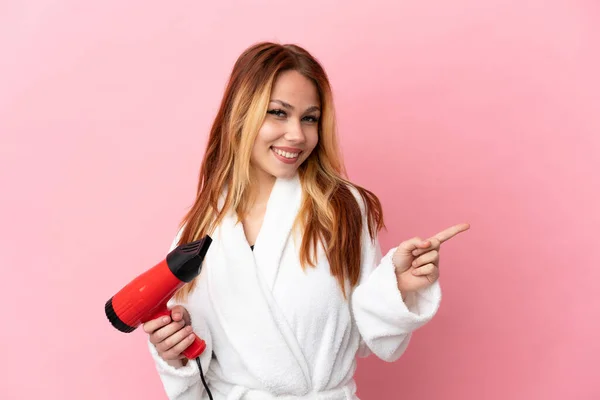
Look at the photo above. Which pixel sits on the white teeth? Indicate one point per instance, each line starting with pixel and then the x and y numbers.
pixel 285 153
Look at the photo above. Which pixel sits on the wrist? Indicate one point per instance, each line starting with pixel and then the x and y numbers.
pixel 404 292
pixel 400 283
pixel 175 363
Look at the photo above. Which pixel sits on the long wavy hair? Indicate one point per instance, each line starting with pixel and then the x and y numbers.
pixel 329 214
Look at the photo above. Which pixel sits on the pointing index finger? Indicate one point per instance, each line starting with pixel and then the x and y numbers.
pixel 449 233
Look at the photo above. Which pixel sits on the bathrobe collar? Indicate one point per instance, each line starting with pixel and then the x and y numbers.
pixel 240 284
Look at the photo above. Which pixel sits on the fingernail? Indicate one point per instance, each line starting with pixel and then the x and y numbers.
pixel 166 319
pixel 191 337
pixel 188 328
pixel 176 315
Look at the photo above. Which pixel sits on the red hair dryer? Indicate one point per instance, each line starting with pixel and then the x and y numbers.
pixel 145 298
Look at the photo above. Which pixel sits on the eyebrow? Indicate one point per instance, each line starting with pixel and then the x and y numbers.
pixel 291 107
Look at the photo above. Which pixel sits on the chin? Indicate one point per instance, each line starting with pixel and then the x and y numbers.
pixel 288 174
pixel 278 170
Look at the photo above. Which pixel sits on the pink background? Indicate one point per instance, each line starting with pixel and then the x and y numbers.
pixel 479 111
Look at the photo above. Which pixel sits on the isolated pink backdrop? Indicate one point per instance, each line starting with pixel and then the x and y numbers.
pixel 480 111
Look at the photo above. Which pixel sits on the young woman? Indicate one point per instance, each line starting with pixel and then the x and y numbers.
pixel 294 286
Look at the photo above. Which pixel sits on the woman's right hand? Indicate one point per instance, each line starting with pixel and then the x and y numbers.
pixel 171 335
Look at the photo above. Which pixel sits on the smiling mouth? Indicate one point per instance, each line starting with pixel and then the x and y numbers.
pixel 286 154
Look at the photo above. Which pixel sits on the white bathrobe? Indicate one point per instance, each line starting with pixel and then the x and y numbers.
pixel 276 331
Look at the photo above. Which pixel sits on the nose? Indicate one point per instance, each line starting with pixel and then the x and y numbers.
pixel 295 133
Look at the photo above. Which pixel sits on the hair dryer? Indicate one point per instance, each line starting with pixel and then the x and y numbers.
pixel 145 298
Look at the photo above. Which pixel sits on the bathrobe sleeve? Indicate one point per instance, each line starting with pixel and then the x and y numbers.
pixel 184 383
pixel 384 320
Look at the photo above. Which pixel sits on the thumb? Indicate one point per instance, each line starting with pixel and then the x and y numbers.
pixel 403 256
pixel 178 313
pixel 408 246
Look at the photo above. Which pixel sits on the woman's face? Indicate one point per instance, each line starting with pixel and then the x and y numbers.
pixel 290 130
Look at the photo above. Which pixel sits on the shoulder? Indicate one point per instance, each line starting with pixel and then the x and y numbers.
pixel 359 194
pixel 177 238
pixel 355 191
pixel 369 206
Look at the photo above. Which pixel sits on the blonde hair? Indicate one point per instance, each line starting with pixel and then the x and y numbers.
pixel 330 213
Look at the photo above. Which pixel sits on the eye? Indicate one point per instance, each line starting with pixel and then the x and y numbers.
pixel 277 113
pixel 311 119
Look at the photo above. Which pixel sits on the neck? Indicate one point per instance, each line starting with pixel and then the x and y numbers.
pixel 260 190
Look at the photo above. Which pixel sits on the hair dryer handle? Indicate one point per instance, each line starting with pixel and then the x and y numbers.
pixel 195 349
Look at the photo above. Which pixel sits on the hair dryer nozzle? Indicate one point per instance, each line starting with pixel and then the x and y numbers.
pixel 114 319
pixel 147 295
pixel 185 260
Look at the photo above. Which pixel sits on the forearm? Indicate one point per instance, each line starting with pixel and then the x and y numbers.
pixel 386 314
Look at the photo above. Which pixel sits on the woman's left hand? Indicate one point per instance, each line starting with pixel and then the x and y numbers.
pixel 416 261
